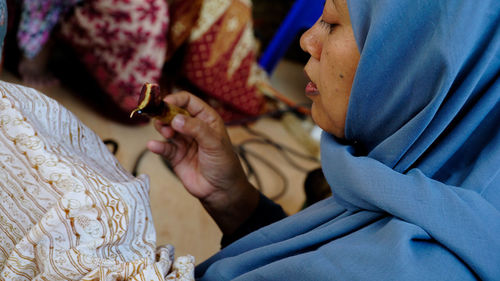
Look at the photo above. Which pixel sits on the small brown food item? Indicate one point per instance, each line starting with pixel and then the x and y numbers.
pixel 152 105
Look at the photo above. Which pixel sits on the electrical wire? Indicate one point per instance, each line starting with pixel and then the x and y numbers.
pixel 263 139
pixel 268 140
pixel 245 153
pixel 113 144
pixel 280 150
pixel 135 169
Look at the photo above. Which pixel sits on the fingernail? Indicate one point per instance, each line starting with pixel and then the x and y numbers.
pixel 178 121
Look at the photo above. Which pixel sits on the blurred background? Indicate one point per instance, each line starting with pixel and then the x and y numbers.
pixel 93 56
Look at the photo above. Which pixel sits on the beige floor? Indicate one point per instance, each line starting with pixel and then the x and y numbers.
pixel 179 219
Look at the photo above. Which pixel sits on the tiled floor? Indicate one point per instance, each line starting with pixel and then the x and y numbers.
pixel 179 219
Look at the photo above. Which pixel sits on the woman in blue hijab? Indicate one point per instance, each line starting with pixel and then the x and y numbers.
pixel 408 95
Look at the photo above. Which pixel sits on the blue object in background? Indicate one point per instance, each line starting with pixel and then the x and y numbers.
pixel 303 15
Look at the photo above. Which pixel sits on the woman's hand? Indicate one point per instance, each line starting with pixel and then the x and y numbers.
pixel 202 156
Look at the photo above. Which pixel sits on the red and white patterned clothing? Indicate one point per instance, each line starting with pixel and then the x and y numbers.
pixel 221 57
pixel 122 43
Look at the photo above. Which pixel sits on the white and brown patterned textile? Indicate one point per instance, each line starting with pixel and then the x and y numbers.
pixel 68 210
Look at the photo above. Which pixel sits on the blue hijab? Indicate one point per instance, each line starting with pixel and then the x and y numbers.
pixel 416 192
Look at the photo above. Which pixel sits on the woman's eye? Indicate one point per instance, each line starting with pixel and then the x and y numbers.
pixel 329 26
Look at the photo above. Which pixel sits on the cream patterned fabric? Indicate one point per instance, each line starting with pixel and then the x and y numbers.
pixel 68 210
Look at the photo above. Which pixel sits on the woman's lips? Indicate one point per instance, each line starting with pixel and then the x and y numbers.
pixel 311 89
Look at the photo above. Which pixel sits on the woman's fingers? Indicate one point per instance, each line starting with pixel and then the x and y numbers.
pixel 165 149
pixel 194 105
pixel 164 130
pixel 174 150
pixel 197 129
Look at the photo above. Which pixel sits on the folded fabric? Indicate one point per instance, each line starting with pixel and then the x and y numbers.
pixel 121 43
pixel 68 209
pixel 220 56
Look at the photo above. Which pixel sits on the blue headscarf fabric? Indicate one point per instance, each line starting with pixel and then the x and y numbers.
pixel 416 193
pixel 3 24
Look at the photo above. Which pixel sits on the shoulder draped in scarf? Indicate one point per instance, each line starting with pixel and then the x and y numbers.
pixel 417 197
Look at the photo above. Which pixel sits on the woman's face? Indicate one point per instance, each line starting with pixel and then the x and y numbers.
pixel 331 68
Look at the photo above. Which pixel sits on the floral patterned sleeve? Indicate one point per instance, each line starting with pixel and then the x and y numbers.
pixel 38 18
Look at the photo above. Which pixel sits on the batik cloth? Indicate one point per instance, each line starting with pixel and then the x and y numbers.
pixel 38 18
pixel 68 209
pixel 220 55
pixel 416 182
pixel 122 43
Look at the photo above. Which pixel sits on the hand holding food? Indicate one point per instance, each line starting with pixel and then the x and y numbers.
pixel 201 154
pixel 152 105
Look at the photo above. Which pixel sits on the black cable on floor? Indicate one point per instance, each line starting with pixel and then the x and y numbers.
pixel 244 153
pixel 135 169
pixel 282 149
pixel 262 139
pixel 113 144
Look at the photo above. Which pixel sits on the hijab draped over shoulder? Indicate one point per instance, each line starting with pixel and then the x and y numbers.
pixel 416 192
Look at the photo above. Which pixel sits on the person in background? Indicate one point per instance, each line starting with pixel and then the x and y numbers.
pixel 408 95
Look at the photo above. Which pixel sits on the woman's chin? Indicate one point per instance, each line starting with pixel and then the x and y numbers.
pixel 326 124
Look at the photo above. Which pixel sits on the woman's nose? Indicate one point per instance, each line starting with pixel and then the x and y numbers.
pixel 310 43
